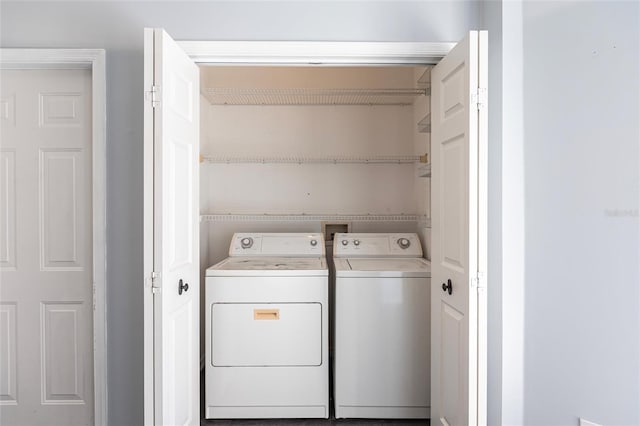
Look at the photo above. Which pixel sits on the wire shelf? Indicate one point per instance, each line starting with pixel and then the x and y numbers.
pixel 425 81
pixel 424 125
pixel 424 170
pixel 263 96
pixel 229 217
pixel 388 159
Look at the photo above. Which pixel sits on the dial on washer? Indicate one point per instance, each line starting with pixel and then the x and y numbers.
pixel 404 243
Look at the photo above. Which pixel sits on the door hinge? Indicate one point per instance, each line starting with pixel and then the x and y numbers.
pixel 155 282
pixel 153 95
pixel 480 98
pixel 479 281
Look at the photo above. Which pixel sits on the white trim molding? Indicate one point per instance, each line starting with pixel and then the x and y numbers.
pixel 50 58
pixel 93 59
pixel 315 53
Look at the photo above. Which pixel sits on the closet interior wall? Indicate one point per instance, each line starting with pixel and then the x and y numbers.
pixel 280 156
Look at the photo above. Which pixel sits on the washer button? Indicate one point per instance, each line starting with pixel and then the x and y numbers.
pixel 356 242
pixel 345 242
pixel 314 242
pixel 246 242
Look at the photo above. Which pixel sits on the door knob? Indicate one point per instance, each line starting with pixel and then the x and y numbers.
pixel 185 287
pixel 448 287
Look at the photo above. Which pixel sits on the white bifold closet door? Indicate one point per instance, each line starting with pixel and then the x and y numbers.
pixel 171 220
pixel 46 291
pixel 458 200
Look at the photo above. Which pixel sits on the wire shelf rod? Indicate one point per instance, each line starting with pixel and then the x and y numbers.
pixel 311 96
pixel 390 159
pixel 303 217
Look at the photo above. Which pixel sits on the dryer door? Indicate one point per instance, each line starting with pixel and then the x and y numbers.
pixel 266 335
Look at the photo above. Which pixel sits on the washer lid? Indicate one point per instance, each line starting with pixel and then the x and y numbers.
pixel 269 266
pixel 383 267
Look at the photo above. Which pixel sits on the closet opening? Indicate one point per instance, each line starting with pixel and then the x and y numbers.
pixel 312 149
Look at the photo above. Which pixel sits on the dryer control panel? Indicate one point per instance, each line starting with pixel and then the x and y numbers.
pixel 277 244
pixel 377 245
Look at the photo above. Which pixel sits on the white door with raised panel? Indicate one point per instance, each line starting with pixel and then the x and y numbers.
pixel 172 307
pixel 458 194
pixel 46 308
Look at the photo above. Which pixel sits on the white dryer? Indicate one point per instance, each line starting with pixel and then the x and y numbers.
pixel 382 327
pixel 267 329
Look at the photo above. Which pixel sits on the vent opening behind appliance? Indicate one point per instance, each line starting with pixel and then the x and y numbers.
pixel 330 229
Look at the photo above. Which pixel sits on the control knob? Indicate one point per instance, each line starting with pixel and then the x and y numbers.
pixel 404 243
pixel 314 243
pixel 345 242
pixel 356 242
pixel 246 242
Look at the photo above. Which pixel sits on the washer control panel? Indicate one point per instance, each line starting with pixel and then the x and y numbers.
pixel 377 245
pixel 277 244
pixel 404 243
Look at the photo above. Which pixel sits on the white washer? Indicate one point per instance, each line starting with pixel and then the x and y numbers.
pixel 267 329
pixel 382 325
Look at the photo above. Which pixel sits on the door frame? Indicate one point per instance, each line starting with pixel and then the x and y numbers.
pixel 303 53
pixel 314 53
pixel 93 60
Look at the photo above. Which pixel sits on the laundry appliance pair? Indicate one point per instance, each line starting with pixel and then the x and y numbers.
pixel 267 328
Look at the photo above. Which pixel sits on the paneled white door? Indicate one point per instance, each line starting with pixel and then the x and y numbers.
pixel 172 307
pixel 458 195
pixel 46 302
